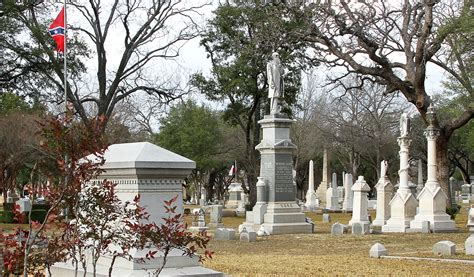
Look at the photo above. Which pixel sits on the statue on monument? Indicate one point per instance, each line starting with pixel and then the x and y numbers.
pixel 275 74
pixel 404 125
pixel 383 168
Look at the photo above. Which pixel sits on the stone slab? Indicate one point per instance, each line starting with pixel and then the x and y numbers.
pixel 224 234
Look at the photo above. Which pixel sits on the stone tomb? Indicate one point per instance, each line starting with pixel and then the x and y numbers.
pixel 156 174
pixel 235 196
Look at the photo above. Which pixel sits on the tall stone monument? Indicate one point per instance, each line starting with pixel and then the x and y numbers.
pixel 384 193
pixel 432 198
pixel 332 195
pixel 323 186
pixel 156 174
pixel 348 196
pixel 312 201
pixel 419 186
pixel 403 204
pixel 361 203
pixel 282 214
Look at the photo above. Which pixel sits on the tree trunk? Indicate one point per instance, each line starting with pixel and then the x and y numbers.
pixel 442 160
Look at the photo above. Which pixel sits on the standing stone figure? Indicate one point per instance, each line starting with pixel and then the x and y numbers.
pixel 275 74
pixel 404 125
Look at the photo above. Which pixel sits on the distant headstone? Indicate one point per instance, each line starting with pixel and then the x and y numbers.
pixel 248 235
pixel 224 234
pixel 326 218
pixel 199 222
pixel 338 229
pixel 216 216
pixel 445 248
pixel 360 228
pixel 377 250
pixel 24 204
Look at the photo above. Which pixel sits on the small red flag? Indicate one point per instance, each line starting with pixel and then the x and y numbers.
pixel 57 30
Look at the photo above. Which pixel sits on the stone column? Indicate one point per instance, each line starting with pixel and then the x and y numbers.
pixel 323 186
pixel 347 204
pixel 384 193
pixel 361 203
pixel 432 198
pixel 403 204
pixel 312 201
pixel 419 186
pixel 332 196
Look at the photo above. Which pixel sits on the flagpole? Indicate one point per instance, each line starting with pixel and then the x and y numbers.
pixel 65 59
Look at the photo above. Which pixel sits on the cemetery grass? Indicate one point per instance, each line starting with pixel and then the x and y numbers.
pixel 323 254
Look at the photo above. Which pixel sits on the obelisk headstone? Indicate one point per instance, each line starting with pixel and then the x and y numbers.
pixel 312 201
pixel 323 186
pixel 332 196
pixel 348 196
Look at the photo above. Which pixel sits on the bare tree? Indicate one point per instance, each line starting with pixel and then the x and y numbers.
pixel 128 39
pixel 392 44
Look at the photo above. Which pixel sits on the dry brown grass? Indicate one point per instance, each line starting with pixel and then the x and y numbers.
pixel 324 254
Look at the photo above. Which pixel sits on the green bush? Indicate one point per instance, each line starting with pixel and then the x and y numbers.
pixel 38 215
pixel 40 207
pixel 452 211
pixel 8 216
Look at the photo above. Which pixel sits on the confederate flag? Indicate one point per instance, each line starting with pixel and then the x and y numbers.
pixel 56 30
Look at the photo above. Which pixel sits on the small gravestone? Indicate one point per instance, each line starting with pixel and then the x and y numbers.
pixel 224 234
pixel 248 235
pixel 425 227
pixel 338 229
pixel 199 222
pixel 216 216
pixel 377 250
pixel 445 248
pixel 360 228
pixel 24 204
pixel 326 218
pixel 469 245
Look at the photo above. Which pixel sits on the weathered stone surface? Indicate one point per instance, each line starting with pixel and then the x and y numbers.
pixel 360 228
pixel 425 227
pixel 469 245
pixel 224 234
pixel 377 250
pixel 248 235
pixel 445 248
pixel 326 218
pixel 216 216
pixel 338 229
